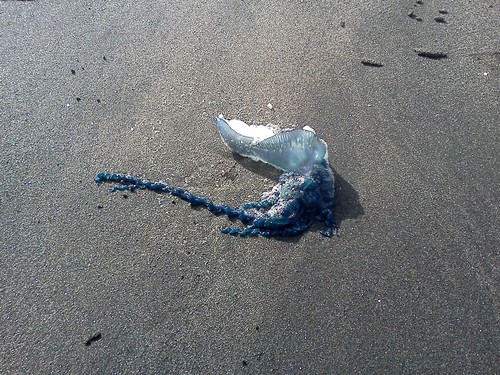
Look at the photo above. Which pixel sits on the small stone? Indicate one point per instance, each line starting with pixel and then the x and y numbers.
pixel 439 19
pixel 372 63
pixel 94 338
pixel 270 106
pixel 342 24
pixel 443 11
pixel 435 55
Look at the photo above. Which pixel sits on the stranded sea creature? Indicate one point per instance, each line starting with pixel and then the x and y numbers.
pixel 303 195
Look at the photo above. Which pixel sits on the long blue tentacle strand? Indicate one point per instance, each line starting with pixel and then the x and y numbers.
pixel 289 209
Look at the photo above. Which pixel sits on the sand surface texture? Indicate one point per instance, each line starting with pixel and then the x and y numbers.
pixel 405 93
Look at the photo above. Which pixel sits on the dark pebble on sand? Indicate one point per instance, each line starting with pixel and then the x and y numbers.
pixel 94 338
pixel 439 19
pixel 372 63
pixel 431 54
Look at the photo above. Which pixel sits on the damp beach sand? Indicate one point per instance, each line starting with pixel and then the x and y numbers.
pixel 404 93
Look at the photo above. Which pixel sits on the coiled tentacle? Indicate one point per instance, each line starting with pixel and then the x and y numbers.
pixel 293 205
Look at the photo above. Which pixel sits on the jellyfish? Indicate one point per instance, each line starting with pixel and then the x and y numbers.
pixel 303 195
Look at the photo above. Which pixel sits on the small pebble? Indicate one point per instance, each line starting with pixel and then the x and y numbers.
pixel 430 54
pixel 369 62
pixel 270 106
pixel 443 11
pixel 342 24
pixel 92 339
pixel 439 19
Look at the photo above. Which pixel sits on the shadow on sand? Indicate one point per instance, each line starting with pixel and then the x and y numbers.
pixel 347 204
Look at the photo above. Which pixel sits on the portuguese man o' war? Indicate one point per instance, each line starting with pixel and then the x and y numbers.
pixel 303 195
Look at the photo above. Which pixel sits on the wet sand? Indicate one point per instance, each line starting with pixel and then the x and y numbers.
pixel 405 95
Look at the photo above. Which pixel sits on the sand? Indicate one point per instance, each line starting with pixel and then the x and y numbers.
pixel 94 282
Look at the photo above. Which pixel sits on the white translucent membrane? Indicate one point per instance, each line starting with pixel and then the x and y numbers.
pixel 290 150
